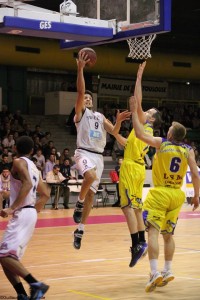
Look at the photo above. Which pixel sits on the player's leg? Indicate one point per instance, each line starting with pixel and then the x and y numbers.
pixel 136 249
pixel 129 184
pixel 38 289
pixel 86 163
pixel 153 253
pixel 89 178
pixel 78 233
pixel 141 231
pixel 169 248
pixel 16 283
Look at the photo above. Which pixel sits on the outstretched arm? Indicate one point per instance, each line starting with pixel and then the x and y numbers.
pixel 82 60
pixel 195 179
pixel 139 129
pixel 125 115
pixel 138 92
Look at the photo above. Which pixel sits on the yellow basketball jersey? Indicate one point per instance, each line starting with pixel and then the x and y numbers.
pixel 170 164
pixel 136 149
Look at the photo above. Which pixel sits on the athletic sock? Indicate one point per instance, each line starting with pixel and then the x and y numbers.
pixel 167 266
pixel 30 279
pixel 81 227
pixel 153 265
pixel 135 239
pixel 141 235
pixel 19 288
pixel 81 201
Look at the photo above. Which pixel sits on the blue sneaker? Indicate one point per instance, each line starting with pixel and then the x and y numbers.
pixel 137 253
pixel 38 289
pixel 22 297
pixel 145 246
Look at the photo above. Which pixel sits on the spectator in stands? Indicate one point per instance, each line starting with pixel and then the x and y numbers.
pixel 46 138
pixel 4 163
pixel 4 187
pixel 65 169
pixel 15 126
pixel 5 130
pixel 37 144
pixel 55 176
pixel 15 136
pixel 34 160
pixel 38 132
pixel 9 142
pixel 64 155
pixel 27 130
pixel 56 155
pixel 40 164
pixel 47 149
pixel 49 165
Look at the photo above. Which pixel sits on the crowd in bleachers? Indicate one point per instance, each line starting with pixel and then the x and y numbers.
pixel 45 154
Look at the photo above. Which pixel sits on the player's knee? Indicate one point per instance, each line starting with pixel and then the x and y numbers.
pixel 90 176
pixel 167 237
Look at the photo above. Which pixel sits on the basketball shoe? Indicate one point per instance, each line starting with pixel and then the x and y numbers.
pixel 38 289
pixel 154 280
pixel 78 212
pixel 137 253
pixel 167 277
pixel 78 234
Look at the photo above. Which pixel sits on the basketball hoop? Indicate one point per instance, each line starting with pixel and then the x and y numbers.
pixel 140 47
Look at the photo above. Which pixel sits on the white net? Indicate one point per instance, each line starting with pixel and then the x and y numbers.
pixel 140 47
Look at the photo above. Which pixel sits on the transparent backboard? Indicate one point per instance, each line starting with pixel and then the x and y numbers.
pixel 130 18
pixel 128 11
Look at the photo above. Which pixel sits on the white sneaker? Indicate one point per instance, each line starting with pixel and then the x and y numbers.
pixel 167 277
pixel 155 279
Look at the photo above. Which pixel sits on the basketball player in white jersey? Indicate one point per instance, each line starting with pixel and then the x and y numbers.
pixel 25 181
pixel 91 140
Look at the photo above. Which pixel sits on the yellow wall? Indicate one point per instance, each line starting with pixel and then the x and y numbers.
pixel 111 59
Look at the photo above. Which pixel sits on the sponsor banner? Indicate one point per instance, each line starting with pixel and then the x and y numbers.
pixel 188 184
pixel 119 87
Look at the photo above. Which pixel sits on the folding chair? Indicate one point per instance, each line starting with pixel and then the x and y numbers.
pixel 110 194
pixel 99 196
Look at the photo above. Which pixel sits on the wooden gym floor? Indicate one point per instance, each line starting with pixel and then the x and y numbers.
pixel 99 270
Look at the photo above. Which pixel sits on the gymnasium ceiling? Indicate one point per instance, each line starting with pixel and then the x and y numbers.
pixel 185 34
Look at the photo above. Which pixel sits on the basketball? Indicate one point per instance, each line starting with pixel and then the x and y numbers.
pixel 91 55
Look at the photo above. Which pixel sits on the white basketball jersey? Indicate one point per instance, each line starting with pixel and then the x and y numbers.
pixel 91 134
pixel 15 185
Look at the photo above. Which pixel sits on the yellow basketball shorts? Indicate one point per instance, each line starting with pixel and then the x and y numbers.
pixel 161 208
pixel 131 181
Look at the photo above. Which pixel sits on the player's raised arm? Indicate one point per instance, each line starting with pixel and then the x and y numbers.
pixel 82 60
pixel 138 92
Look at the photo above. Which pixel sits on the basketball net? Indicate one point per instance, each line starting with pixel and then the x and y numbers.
pixel 140 47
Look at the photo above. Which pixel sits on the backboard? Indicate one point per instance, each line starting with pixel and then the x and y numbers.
pixel 132 17
pixel 88 22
